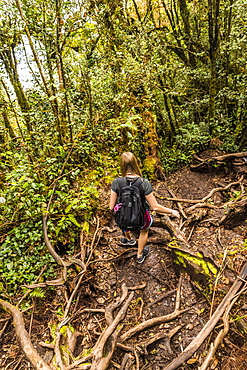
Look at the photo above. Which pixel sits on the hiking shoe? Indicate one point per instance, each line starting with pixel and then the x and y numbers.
pixel 145 253
pixel 126 242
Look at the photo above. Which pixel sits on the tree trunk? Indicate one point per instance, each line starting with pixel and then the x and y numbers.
pixel 187 33
pixel 53 101
pixel 8 59
pixel 213 31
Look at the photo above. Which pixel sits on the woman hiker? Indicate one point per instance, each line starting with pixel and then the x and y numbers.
pixel 131 171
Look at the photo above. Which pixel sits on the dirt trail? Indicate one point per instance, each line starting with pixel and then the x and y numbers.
pixel 158 280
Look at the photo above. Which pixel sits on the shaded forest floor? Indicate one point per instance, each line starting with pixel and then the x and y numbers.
pixel 155 284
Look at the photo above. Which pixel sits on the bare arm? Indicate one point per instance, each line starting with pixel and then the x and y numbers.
pixel 155 206
pixel 113 200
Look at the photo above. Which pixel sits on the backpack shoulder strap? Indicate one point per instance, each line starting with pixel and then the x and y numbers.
pixel 121 181
pixel 138 182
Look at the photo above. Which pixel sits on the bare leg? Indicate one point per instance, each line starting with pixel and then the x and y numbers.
pixel 142 241
pixel 127 235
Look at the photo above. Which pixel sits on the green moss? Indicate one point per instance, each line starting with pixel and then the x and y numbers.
pixel 87 352
pixel 183 258
pixel 149 167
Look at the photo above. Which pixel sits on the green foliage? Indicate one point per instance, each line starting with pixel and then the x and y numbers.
pixel 189 140
pixel 114 65
pixel 22 256
pixel 37 293
pixel 27 191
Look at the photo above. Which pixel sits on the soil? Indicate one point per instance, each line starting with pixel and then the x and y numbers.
pixel 155 285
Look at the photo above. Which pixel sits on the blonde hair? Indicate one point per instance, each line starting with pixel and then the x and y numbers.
pixel 129 164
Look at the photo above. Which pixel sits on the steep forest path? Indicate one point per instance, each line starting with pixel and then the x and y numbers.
pixel 168 301
pixel 161 274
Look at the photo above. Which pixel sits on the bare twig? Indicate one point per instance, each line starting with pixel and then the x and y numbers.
pixel 93 244
pixel 161 297
pixel 221 269
pixel 59 177
pixel 153 276
pixel 126 358
pixel 70 301
pixel 4 328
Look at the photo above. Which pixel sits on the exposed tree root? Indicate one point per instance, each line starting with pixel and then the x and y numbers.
pixel 127 362
pixel 110 338
pixel 166 336
pixel 152 322
pixel 207 329
pixel 24 338
pixel 107 341
pixel 167 224
pixel 101 357
pixel 216 160
pixel 209 195
pixel 181 210
pixel 156 320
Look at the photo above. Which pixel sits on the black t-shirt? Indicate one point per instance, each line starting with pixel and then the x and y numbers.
pixel 147 187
